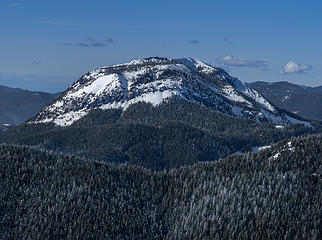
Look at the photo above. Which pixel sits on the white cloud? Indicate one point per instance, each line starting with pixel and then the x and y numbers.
pixel 293 67
pixel 235 62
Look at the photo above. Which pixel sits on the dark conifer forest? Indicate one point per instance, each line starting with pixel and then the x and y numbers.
pixel 174 134
pixel 273 194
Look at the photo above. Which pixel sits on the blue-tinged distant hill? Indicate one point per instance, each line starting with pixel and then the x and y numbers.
pixel 18 105
pixel 302 100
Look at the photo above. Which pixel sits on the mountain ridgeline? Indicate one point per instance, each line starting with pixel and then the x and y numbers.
pixel 302 100
pixel 17 105
pixel 158 113
pixel 273 194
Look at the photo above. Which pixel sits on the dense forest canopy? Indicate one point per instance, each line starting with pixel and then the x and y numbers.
pixel 174 134
pixel 273 194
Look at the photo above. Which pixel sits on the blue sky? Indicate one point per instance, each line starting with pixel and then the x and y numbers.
pixel 46 45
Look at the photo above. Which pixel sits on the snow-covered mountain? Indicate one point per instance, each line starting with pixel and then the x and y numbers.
pixel 155 80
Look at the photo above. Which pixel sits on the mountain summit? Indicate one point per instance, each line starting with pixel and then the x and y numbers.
pixel 155 80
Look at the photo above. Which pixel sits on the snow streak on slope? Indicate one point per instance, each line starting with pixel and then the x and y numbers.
pixel 154 80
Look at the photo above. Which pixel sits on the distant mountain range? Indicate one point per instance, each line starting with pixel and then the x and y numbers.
pixel 302 100
pixel 17 105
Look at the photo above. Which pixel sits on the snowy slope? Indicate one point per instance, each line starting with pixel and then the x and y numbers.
pixel 154 80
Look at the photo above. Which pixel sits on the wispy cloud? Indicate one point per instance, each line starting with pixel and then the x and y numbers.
pixel 14 4
pixel 80 44
pixel 125 26
pixel 293 67
pixel 68 23
pixel 109 40
pixel 194 41
pixel 235 62
pixel 90 42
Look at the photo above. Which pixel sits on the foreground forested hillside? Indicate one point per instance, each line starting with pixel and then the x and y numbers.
pixel 273 194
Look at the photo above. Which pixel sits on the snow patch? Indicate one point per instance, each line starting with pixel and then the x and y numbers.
pixel 155 98
pixel 275 156
pixel 259 99
pixel 231 94
pixel 68 118
pixel 258 149
pixel 134 74
pixel 290 148
pixel 107 82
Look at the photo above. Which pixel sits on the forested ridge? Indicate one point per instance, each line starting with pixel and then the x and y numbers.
pixel 174 134
pixel 273 194
pixel 305 101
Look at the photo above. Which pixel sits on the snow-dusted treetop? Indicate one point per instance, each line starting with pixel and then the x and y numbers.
pixel 154 80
